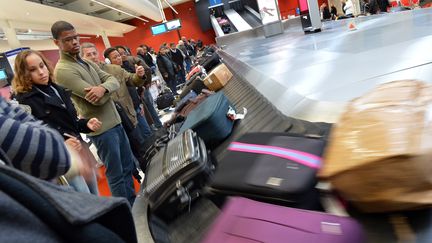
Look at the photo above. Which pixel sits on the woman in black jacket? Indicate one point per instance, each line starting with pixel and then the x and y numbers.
pixel 34 86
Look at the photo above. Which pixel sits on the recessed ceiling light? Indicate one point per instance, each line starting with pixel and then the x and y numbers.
pixel 27 13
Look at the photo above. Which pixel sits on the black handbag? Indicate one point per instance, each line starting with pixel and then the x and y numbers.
pixel 126 122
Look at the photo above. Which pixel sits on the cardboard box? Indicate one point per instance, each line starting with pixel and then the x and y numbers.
pixel 218 78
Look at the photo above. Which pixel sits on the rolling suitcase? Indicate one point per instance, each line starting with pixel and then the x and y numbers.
pixel 197 85
pixel 210 119
pixel 185 100
pixel 175 175
pixel 246 221
pixel 279 168
pixel 210 62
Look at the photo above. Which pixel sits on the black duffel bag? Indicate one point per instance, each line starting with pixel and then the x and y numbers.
pixel 210 61
pixel 165 100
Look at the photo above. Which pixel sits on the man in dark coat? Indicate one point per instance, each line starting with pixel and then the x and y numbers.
pixel 167 67
pixel 178 58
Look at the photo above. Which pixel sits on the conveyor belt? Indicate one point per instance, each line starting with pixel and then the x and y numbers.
pixel 250 19
pixel 261 116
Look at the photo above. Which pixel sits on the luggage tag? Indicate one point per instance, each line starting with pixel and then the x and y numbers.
pixel 233 115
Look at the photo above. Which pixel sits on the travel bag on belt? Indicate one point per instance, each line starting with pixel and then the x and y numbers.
pixel 380 152
pixel 210 119
pixel 272 167
pixel 245 221
pixel 175 175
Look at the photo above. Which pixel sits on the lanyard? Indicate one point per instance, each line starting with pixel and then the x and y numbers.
pixel 55 91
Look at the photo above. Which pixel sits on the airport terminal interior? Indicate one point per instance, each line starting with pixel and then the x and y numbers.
pixel 233 121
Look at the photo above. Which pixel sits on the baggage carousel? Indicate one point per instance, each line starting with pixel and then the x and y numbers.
pixel 312 77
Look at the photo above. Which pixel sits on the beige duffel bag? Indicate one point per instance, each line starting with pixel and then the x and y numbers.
pixel 379 155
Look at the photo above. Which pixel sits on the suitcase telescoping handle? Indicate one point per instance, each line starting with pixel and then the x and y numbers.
pixel 184 192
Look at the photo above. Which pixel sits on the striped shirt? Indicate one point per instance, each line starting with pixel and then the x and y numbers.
pixel 31 146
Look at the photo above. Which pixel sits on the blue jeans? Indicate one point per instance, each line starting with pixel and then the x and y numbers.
pixel 143 126
pixel 172 84
pixel 114 150
pixel 80 185
pixel 148 100
pixel 181 76
pixel 188 65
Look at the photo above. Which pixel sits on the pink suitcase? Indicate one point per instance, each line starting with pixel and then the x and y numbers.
pixel 245 221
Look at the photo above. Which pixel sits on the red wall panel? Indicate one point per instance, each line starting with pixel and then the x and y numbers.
pixel 287 7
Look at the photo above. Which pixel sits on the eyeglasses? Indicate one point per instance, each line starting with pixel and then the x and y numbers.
pixel 70 38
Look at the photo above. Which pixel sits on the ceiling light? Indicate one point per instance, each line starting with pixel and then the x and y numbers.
pixel 121 11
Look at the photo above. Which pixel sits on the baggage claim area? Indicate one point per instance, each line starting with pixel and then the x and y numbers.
pixel 288 127
pixel 303 84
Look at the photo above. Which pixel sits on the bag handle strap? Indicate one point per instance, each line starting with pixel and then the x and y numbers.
pixel 304 158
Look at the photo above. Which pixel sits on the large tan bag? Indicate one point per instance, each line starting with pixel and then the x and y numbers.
pixel 218 78
pixel 380 153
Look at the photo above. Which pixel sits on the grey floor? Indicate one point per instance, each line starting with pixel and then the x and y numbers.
pixel 322 71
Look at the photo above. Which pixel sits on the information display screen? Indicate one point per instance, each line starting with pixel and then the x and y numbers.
pixel 214 2
pixel 3 75
pixel 173 24
pixel 158 29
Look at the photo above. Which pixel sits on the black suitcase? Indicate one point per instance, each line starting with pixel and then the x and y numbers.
pixel 176 174
pixel 210 62
pixel 278 168
pixel 197 85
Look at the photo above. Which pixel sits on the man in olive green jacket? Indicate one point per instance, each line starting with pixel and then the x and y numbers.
pixel 138 134
pixel 91 89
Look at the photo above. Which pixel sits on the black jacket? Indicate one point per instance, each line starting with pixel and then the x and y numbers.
pixel 147 58
pixel 164 69
pixel 51 111
pixel 33 210
pixel 177 57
